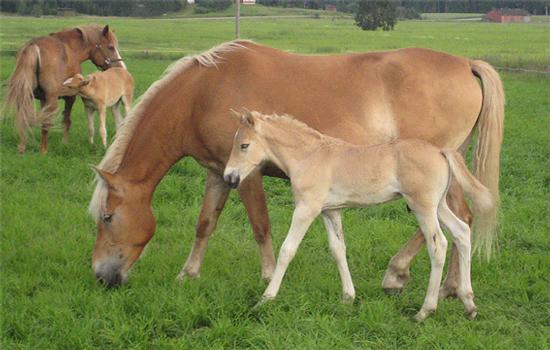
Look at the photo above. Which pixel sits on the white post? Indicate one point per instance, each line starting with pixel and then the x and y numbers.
pixel 238 20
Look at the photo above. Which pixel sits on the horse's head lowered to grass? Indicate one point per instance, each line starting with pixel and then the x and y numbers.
pixel 125 224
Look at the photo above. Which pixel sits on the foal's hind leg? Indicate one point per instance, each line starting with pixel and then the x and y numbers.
pixel 398 274
pixel 460 232
pixel 215 195
pixel 457 203
pixel 69 102
pixel 333 224
pixel 117 115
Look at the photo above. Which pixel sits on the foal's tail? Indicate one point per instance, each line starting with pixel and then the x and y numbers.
pixel 487 149
pixel 482 200
pixel 20 87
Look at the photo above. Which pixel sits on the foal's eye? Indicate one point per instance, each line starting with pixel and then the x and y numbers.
pixel 244 146
pixel 107 218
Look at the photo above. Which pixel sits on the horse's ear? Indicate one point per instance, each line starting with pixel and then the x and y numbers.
pixel 109 178
pixel 80 32
pixel 247 118
pixel 235 113
pixel 105 30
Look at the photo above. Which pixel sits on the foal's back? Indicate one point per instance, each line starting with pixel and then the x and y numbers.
pixel 112 84
pixel 366 175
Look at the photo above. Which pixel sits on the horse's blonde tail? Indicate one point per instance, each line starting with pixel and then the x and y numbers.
pixel 482 200
pixel 487 150
pixel 20 87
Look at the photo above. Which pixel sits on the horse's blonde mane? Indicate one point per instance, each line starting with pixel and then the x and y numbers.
pixel 115 153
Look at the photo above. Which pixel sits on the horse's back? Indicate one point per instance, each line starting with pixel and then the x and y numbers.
pixel 362 98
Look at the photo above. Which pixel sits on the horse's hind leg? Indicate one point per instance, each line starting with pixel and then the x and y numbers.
pixel 48 111
pixel 460 232
pixel 90 116
pixel 333 224
pixel 69 102
pixel 252 194
pixel 215 196
pixel 437 249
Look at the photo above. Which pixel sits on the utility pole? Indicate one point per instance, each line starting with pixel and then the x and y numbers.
pixel 238 20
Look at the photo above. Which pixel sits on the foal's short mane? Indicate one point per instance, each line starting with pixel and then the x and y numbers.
pixel 290 123
pixel 115 153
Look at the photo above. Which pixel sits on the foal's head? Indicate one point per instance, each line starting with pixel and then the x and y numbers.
pixel 105 53
pixel 76 82
pixel 248 151
pixel 125 224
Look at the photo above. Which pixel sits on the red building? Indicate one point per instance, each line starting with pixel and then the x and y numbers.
pixel 508 16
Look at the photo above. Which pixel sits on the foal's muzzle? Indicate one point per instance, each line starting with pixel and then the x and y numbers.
pixel 232 179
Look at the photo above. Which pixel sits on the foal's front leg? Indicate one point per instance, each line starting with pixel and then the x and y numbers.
pixel 102 129
pixel 301 220
pixel 333 224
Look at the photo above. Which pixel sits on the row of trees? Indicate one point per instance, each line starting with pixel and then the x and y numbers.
pixel 432 6
pixel 93 7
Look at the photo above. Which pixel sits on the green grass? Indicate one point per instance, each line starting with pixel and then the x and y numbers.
pixel 256 10
pixel 49 298
pixel 510 45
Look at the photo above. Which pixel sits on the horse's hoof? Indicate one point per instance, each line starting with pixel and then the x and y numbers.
pixel 264 300
pixel 394 281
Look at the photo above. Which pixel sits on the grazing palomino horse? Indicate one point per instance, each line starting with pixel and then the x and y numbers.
pixel 41 67
pixel 101 90
pixel 361 98
pixel 328 174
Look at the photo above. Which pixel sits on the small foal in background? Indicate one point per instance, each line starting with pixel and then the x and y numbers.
pixel 101 90
pixel 328 174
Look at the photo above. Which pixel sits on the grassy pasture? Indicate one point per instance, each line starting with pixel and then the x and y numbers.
pixel 49 298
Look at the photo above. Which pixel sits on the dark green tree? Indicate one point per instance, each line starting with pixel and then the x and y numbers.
pixel 374 14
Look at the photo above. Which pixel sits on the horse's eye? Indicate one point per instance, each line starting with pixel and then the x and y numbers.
pixel 107 218
pixel 244 146
pixel 111 47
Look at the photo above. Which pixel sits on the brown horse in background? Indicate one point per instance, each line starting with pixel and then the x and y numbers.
pixel 44 63
pixel 366 98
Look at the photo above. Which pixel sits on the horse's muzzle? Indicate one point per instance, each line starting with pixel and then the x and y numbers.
pixel 110 275
pixel 232 179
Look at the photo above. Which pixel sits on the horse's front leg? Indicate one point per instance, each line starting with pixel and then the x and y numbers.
pixel 215 196
pixel 69 102
pixel 301 220
pixel 333 224
pixel 253 196
pixel 102 128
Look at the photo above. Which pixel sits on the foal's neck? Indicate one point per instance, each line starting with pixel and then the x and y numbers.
pixel 289 144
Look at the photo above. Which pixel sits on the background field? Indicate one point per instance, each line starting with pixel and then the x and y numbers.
pixel 49 298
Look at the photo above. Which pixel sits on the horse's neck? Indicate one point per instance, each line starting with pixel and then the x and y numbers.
pixel 80 49
pixel 157 142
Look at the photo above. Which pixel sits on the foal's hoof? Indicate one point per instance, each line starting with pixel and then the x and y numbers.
pixel 471 314
pixel 422 315
pixel 447 292
pixel 348 299
pixel 393 291
pixel 264 300
pixel 182 276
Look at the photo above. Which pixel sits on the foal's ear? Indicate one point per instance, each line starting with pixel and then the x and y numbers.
pixel 247 118
pixel 85 82
pixel 105 30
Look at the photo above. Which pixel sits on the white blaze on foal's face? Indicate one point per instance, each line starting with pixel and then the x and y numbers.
pixel 247 152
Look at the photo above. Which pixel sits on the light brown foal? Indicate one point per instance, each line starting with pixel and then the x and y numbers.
pixel 101 90
pixel 328 174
